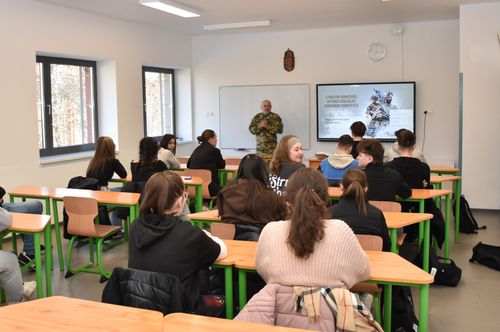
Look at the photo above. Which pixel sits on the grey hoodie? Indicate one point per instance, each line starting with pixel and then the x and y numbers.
pixel 5 219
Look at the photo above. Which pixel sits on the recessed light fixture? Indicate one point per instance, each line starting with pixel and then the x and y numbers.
pixel 237 25
pixel 170 7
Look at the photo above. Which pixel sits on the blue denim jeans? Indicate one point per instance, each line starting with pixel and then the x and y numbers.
pixel 33 207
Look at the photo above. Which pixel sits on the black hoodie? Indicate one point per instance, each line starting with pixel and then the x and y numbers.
pixel 413 171
pixel 166 244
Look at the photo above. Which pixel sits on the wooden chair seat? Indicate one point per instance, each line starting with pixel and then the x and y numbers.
pixel 105 230
pixel 223 230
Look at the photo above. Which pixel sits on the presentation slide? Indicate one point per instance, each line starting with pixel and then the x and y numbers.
pixel 382 107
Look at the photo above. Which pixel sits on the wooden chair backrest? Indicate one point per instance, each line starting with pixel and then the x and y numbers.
pixel 81 214
pixel 205 175
pixel 233 161
pixel 370 242
pixel 182 160
pixel 223 230
pixel 387 206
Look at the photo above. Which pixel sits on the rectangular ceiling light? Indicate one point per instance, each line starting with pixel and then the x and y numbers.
pixel 237 25
pixel 170 7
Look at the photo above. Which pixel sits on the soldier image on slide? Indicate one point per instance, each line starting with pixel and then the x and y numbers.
pixel 379 117
pixel 265 126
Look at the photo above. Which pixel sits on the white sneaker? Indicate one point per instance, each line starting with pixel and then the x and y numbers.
pixel 29 288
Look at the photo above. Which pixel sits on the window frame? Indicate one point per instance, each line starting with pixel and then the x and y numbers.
pixel 49 149
pixel 174 108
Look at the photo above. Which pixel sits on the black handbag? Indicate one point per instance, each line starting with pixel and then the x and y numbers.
pixel 445 271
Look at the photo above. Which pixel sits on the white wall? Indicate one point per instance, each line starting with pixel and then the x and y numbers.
pixel 480 65
pixel 28 28
pixel 426 53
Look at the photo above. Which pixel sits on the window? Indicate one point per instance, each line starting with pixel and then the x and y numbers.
pixel 66 105
pixel 158 101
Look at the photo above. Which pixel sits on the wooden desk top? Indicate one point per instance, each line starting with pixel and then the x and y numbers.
pixel 110 197
pixel 211 215
pixel 336 192
pixel 195 323
pixel 401 219
pixel 385 267
pixel 25 222
pixel 58 313
pixel 195 180
pixel 392 219
pixel 229 168
pixel 444 178
pixel 441 168
pixel 237 250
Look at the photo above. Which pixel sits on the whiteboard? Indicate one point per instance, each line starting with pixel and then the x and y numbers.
pixel 239 104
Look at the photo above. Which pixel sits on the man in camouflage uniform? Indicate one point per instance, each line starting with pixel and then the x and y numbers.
pixel 265 126
pixel 379 117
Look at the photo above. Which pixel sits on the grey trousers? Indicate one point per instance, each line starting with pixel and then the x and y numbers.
pixel 10 277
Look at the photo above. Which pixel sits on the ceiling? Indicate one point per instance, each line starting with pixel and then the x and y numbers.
pixel 284 14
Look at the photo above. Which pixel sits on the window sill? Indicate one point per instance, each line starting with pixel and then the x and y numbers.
pixel 66 157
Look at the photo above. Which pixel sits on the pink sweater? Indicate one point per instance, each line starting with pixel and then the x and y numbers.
pixel 338 261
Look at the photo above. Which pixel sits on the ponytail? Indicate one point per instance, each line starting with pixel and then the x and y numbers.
pixel 354 183
pixel 307 193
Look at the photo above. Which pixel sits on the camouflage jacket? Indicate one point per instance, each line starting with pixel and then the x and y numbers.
pixel 266 137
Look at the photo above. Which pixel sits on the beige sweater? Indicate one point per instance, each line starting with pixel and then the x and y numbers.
pixel 338 261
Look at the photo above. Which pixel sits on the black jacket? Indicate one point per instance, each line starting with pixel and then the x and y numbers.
pixel 145 290
pixel 105 173
pixel 142 175
pixel 385 183
pixel 371 224
pixel 413 171
pixel 165 244
pixel 207 156
pixel 278 181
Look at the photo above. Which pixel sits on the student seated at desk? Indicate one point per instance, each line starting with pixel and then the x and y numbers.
pixel 34 207
pixel 308 250
pixel 148 163
pixel 384 183
pixel 334 167
pixel 287 158
pixel 207 156
pixel 168 145
pixel 161 242
pixel 248 202
pixel 10 275
pixel 353 208
pixel 358 130
pixel 104 163
pixel 417 174
pixel 395 150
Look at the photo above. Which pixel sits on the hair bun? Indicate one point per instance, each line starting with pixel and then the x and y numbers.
pixel 200 139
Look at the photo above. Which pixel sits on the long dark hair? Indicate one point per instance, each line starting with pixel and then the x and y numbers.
pixel 253 167
pixel 307 193
pixel 166 139
pixel 354 183
pixel 148 154
pixel 104 151
pixel 161 192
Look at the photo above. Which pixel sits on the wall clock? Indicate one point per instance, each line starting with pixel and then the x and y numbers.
pixel 376 51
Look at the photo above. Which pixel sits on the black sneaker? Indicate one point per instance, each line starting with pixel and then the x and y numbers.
pixel 116 236
pixel 25 259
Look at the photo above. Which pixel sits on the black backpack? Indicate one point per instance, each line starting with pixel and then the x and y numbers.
pixel 468 223
pixel 486 254
pixel 403 312
pixel 445 274
pixel 80 182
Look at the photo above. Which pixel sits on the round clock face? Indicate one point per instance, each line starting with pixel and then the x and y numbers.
pixel 376 51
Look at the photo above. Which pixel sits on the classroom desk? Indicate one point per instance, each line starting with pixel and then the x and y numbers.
pixel 195 323
pixel 110 198
pixel 59 313
pixel 387 268
pixel 420 195
pixel 394 220
pixel 35 224
pixel 225 171
pixel 439 169
pixel 194 181
pixel 236 250
pixel 457 185
pixel 314 163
